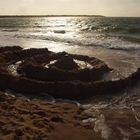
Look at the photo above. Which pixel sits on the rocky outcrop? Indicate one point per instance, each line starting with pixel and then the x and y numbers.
pixel 58 74
pixel 10 49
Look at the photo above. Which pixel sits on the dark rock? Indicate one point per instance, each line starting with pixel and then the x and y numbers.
pixel 40 122
pixel 19 132
pixel 2 98
pixel 57 118
pixel 10 49
pixel 40 113
pixel 6 131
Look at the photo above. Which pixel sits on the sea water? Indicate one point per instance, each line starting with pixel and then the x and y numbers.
pixel 107 32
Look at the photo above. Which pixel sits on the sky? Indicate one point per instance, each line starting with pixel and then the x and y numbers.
pixel 70 7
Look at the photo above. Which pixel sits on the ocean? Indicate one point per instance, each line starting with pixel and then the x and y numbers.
pixel 105 32
pixel 115 40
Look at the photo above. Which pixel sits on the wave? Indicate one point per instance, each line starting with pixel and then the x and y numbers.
pixel 109 42
pixel 10 30
pixel 72 41
pixel 110 29
pixel 132 39
pixel 81 37
pixel 126 49
pixel 59 31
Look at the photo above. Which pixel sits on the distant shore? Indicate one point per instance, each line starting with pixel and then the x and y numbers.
pixel 5 16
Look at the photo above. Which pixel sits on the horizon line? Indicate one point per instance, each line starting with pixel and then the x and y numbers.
pixel 79 15
pixel 50 15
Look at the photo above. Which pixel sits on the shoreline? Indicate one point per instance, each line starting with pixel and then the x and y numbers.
pixel 122 61
pixel 30 16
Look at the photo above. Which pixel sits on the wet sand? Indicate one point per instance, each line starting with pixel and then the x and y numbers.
pixel 24 119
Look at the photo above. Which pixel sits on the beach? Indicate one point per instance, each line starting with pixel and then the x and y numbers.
pixel 69 78
pixel 21 118
pixel 40 101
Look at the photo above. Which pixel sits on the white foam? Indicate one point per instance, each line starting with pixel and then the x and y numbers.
pixel 100 125
pixel 124 133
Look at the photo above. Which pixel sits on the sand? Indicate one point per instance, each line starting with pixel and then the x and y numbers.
pixel 22 118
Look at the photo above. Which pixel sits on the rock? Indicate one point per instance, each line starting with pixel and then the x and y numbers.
pixel 6 131
pixel 60 31
pixel 8 137
pixel 10 49
pixel 57 118
pixel 40 113
pixel 19 132
pixel 40 122
pixel 2 98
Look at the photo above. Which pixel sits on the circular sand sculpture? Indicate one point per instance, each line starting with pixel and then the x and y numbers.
pixel 62 67
pixel 62 75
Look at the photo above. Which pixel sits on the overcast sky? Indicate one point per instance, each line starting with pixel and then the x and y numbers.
pixel 65 7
